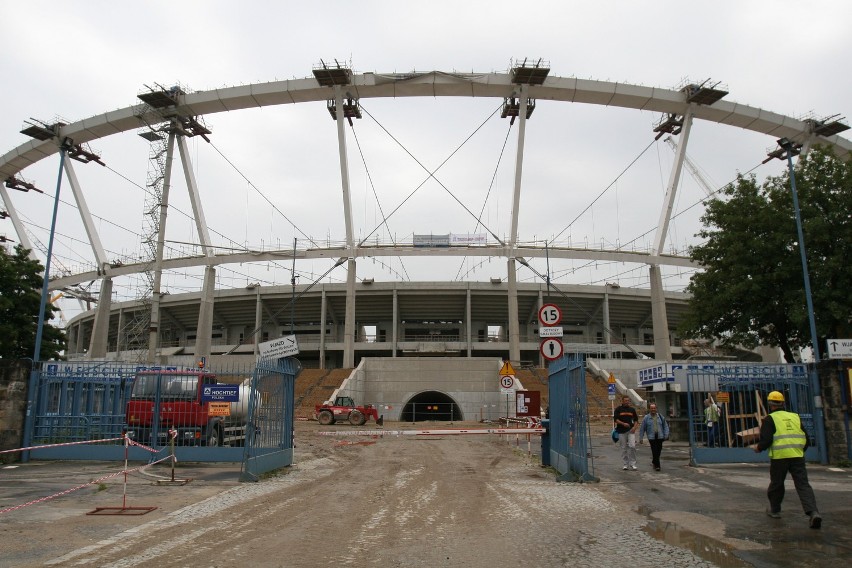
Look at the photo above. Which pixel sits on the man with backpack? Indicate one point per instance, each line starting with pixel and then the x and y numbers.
pixel 626 421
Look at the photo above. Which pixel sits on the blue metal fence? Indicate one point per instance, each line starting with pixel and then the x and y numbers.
pixel 740 393
pixel 86 401
pixel 569 435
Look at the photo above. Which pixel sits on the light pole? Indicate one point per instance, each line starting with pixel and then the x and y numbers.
pixel 791 149
pixel 29 419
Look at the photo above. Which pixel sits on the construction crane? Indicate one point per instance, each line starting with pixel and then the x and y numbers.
pixel 693 169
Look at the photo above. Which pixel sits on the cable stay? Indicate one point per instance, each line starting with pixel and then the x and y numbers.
pixel 376 196
pixel 271 317
pixel 431 174
pixel 607 188
pixel 490 187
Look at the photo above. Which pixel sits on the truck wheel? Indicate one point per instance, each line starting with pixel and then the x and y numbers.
pixel 214 438
pixel 357 418
pixel 325 417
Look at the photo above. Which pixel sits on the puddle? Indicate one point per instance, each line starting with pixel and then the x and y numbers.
pixel 702 546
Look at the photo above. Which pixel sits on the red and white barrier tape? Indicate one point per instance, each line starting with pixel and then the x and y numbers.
pixel 448 432
pixel 67 491
pixel 60 445
pixel 143 446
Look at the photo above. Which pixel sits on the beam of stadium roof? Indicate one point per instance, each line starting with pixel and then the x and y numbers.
pixel 430 84
pixel 381 251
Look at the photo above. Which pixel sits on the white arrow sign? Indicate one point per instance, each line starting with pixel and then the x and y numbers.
pixel 839 348
pixel 277 348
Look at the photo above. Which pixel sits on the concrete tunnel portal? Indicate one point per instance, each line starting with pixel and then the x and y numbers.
pixel 431 406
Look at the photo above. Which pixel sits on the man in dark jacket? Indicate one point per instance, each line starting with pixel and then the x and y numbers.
pixel 781 433
pixel 626 421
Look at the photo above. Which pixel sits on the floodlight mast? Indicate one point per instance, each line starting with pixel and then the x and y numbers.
pixel 788 149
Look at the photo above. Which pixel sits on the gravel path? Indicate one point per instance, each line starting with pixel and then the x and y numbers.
pixel 392 501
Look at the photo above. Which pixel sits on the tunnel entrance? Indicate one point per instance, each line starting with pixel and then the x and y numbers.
pixel 431 405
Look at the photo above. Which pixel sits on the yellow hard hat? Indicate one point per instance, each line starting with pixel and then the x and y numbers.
pixel 775 396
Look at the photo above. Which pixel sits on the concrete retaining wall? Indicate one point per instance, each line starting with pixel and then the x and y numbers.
pixel 390 383
pixel 13 406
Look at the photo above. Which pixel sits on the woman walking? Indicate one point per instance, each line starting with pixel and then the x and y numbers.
pixel 655 425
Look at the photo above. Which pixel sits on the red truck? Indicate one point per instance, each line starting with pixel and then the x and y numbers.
pixel 179 397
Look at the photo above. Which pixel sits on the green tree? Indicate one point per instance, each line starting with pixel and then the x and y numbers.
pixel 751 289
pixel 21 281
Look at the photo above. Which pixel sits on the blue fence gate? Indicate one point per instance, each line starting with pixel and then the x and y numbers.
pixel 269 444
pixel 740 393
pixel 570 437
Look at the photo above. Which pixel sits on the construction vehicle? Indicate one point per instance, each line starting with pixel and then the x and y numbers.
pixel 343 409
pixel 183 405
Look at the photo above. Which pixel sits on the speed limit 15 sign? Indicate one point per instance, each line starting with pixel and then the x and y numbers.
pixel 549 315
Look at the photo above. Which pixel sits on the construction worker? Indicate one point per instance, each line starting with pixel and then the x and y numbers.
pixel 781 433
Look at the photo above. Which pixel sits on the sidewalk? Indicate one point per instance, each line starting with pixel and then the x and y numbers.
pixel 721 507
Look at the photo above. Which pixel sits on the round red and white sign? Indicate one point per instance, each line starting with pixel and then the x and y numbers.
pixel 507 381
pixel 551 348
pixel 549 314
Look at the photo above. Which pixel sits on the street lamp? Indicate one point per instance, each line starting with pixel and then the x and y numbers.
pixel 787 150
pixel 791 149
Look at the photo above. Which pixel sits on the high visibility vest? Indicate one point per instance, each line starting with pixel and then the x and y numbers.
pixel 789 440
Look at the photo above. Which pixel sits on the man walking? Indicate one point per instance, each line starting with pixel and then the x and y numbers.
pixel 657 429
pixel 626 421
pixel 781 433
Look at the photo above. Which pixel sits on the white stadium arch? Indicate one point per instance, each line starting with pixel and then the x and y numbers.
pixel 175 114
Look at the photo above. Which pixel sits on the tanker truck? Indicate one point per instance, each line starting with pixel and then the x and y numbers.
pixel 186 403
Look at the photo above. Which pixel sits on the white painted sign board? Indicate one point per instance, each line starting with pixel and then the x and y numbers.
pixel 282 347
pixel 555 331
pixel 839 348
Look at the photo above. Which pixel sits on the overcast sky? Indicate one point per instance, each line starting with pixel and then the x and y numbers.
pixel 72 60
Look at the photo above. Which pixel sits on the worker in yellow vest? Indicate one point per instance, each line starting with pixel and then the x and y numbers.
pixel 781 433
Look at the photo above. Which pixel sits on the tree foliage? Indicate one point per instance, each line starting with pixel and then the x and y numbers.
pixel 751 289
pixel 21 281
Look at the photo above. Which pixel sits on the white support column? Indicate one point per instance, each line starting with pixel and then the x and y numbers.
pixel 119 336
pixel 349 322
pixel 514 329
pixel 344 167
pixel 606 324
pixel 100 326
pixel 658 300
pixel 258 321
pixel 322 337
pixel 540 303
pixel 154 328
pixel 468 323
pixel 662 345
pixel 204 333
pixel 86 216
pixel 194 197
pixel 519 167
pixel 23 240
pixel 395 327
pixel 674 181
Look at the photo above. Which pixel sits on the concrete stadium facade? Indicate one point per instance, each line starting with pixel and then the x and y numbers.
pixel 392 319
